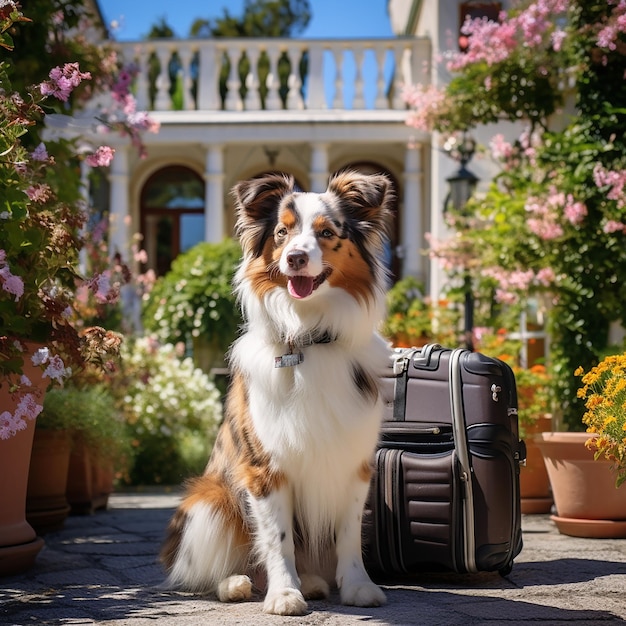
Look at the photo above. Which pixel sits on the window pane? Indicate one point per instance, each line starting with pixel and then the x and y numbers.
pixel 174 188
pixel 191 230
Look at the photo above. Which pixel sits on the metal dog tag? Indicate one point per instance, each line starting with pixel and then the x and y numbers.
pixel 288 360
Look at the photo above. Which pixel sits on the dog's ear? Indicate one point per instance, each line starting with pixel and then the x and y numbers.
pixel 364 197
pixel 256 203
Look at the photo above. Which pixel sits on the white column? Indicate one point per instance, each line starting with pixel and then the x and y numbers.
pixel 214 194
pixel 319 167
pixel 441 167
pixel 412 236
pixel 84 192
pixel 119 215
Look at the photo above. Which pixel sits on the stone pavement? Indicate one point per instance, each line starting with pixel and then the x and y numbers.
pixel 102 569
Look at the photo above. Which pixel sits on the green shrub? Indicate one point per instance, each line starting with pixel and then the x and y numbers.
pixel 172 410
pixel 91 416
pixel 195 299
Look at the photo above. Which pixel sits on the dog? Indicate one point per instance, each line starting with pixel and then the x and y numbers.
pixel 283 493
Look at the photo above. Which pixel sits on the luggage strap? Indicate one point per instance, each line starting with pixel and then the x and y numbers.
pixel 401 362
pixel 462 450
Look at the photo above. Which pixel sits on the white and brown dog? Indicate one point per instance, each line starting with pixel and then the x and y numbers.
pixel 284 490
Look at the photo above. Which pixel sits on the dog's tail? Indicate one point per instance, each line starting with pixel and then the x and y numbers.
pixel 207 540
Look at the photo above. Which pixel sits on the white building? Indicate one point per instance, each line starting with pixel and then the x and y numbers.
pixel 347 111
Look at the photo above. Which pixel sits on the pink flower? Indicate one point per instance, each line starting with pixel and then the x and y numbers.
pixel 426 102
pixel 506 297
pixel 102 157
pixel 615 180
pixel 575 212
pixel 56 369
pixel 557 39
pixel 546 276
pixel 28 407
pixel 141 256
pixel 62 81
pixel 39 193
pixel 9 425
pixel 613 226
pixel 500 148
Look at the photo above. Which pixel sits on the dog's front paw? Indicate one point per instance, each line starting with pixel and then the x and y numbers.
pixel 363 594
pixel 285 602
pixel 234 589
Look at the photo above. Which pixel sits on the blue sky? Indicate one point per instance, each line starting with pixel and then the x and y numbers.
pixel 331 18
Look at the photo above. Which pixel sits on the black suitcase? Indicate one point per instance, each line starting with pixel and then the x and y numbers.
pixel 445 489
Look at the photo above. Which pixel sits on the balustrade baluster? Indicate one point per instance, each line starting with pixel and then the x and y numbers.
pixel 185 55
pixel 338 55
pixel 315 93
pixel 273 101
pixel 294 82
pixel 359 97
pixel 253 97
pixel 233 97
pixel 382 98
pixel 162 100
pixel 398 76
pixel 209 65
pixel 141 81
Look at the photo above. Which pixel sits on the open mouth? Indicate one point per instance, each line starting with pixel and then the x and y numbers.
pixel 303 286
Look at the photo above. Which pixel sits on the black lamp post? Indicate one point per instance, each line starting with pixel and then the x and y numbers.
pixel 462 185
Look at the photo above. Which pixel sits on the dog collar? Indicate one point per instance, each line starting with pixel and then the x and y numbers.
pixel 295 356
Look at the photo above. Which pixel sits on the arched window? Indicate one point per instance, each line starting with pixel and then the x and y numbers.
pixel 172 215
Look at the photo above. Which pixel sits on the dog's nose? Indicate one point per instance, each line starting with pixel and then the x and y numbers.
pixel 297 259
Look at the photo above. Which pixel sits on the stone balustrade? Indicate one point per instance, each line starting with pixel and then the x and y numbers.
pixel 246 74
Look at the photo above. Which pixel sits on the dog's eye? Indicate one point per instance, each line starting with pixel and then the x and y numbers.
pixel 327 233
pixel 281 232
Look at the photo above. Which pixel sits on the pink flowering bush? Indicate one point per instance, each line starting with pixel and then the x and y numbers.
pixel 42 231
pixel 551 227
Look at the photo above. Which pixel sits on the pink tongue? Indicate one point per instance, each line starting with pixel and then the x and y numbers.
pixel 300 286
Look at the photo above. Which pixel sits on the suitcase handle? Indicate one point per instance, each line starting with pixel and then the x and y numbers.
pixel 428 357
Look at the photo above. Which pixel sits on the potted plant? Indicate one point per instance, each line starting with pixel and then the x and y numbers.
pixel 194 302
pixel 41 218
pixel 586 468
pixel 171 408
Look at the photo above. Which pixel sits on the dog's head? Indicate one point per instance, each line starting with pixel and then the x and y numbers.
pixel 308 243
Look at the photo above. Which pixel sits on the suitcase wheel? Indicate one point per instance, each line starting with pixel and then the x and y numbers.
pixel 506 570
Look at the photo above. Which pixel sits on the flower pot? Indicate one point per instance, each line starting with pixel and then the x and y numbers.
pixel 46 503
pixel 80 480
pixel 89 480
pixel 587 501
pixel 535 491
pixel 103 475
pixel 19 544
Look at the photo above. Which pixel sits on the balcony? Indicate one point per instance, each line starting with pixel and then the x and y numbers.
pixel 242 76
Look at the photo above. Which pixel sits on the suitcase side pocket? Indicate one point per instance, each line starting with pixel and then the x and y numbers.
pixel 414 504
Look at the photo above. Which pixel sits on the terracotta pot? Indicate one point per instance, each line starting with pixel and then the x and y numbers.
pixel 535 491
pixel 103 475
pixel 587 501
pixel 89 480
pixel 19 544
pixel 80 480
pixel 46 503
